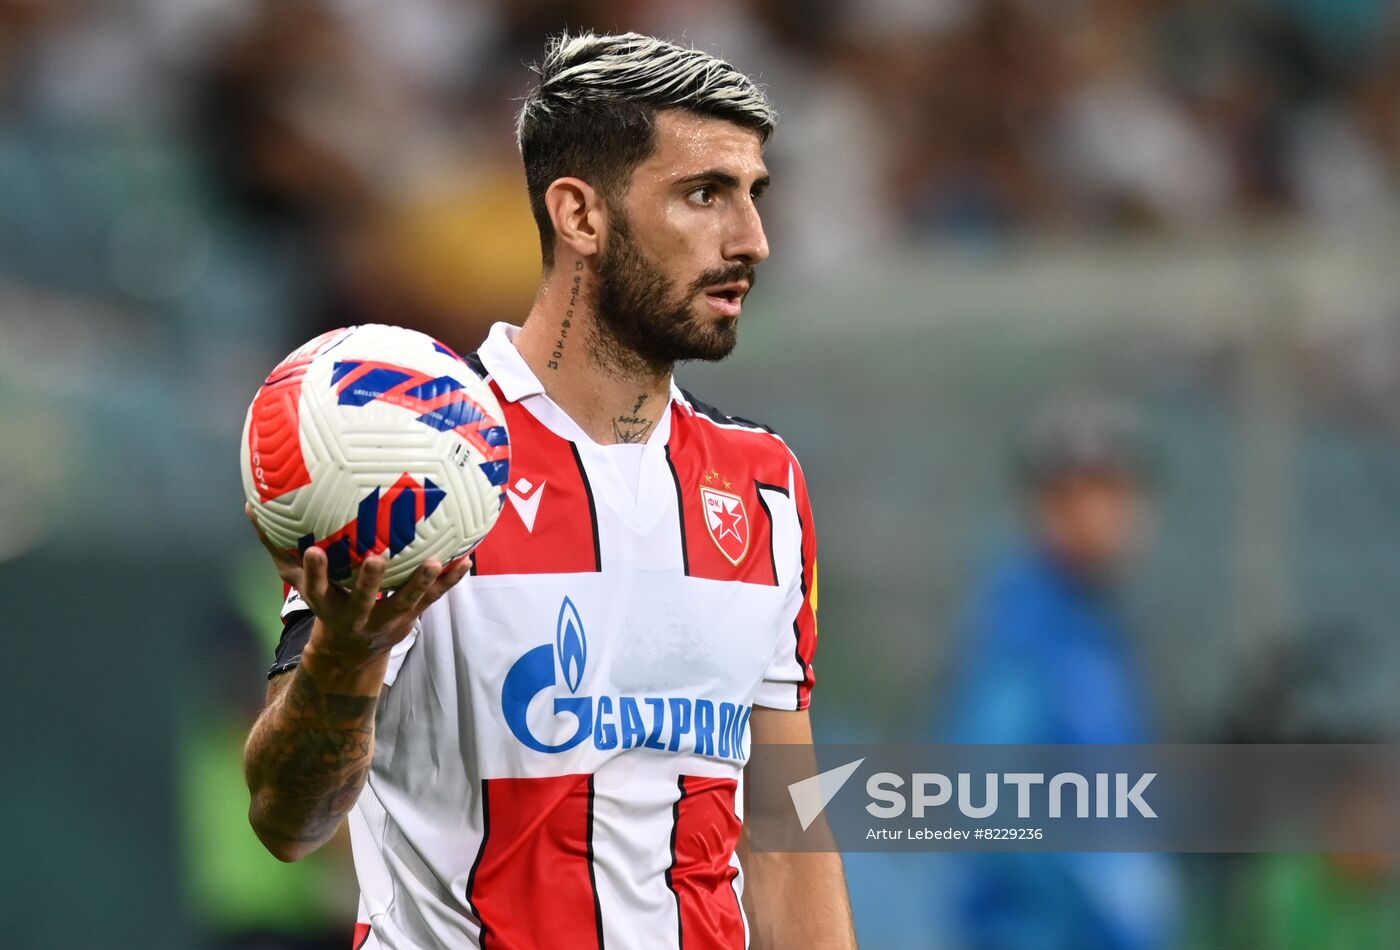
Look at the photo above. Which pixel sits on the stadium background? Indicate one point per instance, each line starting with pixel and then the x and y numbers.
pixel 978 205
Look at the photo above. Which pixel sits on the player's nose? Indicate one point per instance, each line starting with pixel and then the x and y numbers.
pixel 746 241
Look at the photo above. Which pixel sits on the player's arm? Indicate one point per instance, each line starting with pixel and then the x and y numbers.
pixel 794 899
pixel 310 750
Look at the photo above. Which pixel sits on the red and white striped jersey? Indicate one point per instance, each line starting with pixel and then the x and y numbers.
pixel 561 744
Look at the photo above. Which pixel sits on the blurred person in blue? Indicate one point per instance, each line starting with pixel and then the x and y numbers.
pixel 1047 657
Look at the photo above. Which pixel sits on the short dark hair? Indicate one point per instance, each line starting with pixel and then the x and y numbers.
pixel 592 113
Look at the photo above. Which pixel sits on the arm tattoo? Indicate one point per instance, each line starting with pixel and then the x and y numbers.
pixel 309 754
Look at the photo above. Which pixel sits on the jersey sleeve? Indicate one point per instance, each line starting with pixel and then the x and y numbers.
pixel 788 681
pixel 297 619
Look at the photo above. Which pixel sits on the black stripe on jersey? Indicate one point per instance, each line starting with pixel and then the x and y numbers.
pixel 592 508
pixel 777 488
pixel 715 415
pixel 796 630
pixel 680 510
pixel 477 366
pixel 473 360
pixel 296 632
pixel 670 881
pixel 592 877
pixel 471 876
pixel 772 540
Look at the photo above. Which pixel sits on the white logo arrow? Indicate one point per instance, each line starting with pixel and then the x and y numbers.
pixel 525 499
pixel 811 795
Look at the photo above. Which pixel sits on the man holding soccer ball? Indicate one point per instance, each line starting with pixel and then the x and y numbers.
pixel 544 746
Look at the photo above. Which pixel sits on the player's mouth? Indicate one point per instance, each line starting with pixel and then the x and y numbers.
pixel 727 299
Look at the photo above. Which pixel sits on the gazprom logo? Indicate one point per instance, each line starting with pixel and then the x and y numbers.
pixel 571 644
pixel 665 723
pixel 535 672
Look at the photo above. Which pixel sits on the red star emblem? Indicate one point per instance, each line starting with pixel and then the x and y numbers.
pixel 727 522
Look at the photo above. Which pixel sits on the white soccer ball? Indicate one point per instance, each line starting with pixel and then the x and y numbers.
pixel 375 440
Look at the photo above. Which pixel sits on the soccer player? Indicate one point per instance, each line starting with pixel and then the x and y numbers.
pixel 544 747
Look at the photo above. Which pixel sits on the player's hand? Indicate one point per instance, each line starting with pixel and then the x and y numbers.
pixel 357 626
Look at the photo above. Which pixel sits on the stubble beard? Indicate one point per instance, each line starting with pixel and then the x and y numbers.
pixel 642 325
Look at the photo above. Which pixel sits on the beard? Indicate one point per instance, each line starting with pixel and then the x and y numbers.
pixel 641 318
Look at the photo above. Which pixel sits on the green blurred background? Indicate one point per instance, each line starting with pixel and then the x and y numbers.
pixel 978 205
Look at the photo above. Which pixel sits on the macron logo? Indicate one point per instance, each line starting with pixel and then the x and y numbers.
pixel 811 795
pixel 525 499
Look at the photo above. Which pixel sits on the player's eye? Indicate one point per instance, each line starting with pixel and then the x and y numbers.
pixel 704 195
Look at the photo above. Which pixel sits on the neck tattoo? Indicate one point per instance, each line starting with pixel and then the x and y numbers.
pixel 575 290
pixel 631 428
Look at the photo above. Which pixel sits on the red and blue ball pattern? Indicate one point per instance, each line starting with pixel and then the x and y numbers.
pixel 376 440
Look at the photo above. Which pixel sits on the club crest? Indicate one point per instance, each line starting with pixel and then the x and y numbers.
pixel 728 522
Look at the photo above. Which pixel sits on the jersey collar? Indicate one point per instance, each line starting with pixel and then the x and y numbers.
pixel 513 375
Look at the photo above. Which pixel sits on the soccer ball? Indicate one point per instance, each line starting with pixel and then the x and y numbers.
pixel 375 440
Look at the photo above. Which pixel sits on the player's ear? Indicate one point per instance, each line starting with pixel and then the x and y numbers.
pixel 578 214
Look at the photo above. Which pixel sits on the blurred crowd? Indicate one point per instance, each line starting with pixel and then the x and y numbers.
pixel 373 142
